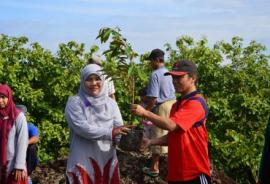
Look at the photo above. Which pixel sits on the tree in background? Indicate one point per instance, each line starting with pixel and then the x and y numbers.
pixel 234 79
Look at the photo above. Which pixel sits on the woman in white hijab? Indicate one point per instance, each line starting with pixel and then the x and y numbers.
pixel 94 120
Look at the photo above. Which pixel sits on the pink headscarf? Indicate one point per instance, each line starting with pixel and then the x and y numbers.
pixel 8 116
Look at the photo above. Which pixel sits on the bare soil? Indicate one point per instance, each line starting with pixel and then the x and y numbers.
pixel 130 164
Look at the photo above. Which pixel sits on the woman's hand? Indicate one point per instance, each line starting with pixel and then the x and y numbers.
pixel 137 110
pixel 18 174
pixel 121 130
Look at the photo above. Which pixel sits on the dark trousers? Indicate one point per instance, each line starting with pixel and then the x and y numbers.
pixel 264 174
pixel 202 179
pixel 31 158
pixel 265 179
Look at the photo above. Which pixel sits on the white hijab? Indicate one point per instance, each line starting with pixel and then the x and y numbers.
pixel 100 99
pixel 100 103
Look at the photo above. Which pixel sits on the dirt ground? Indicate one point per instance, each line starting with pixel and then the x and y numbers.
pixel 130 164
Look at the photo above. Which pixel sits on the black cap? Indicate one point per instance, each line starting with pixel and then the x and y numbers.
pixel 183 67
pixel 156 53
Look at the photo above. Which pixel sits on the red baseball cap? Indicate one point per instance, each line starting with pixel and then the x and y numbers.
pixel 182 67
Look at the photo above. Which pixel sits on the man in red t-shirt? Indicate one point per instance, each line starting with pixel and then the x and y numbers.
pixel 187 140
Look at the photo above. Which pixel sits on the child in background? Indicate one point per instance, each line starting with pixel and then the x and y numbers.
pixel 31 156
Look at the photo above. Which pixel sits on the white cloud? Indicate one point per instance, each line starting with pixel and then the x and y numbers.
pixel 147 24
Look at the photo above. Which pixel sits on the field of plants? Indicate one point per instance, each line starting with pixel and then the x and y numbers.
pixel 233 76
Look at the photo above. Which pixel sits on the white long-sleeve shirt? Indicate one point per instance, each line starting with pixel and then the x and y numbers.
pixel 17 144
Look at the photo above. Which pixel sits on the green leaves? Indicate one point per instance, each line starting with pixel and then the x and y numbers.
pixel 54 141
pixel 234 78
pixel 104 34
pixel 43 82
pixel 121 67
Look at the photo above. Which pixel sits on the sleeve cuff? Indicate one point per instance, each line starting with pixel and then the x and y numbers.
pixel 109 135
pixel 20 166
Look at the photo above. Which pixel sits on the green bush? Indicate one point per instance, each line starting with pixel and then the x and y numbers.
pixel 54 141
pixel 234 79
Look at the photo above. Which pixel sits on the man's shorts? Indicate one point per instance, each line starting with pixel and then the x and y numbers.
pixel 164 111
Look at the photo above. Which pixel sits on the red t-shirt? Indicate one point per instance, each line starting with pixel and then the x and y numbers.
pixel 188 146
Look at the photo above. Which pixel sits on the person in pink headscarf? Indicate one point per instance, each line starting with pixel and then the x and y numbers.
pixel 13 140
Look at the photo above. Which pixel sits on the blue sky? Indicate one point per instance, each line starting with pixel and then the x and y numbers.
pixel 147 24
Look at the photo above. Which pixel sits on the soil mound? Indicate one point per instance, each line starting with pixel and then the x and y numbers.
pixel 130 163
